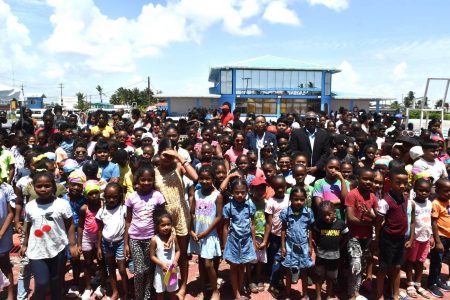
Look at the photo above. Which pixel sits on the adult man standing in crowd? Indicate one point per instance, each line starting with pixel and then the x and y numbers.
pixel 314 141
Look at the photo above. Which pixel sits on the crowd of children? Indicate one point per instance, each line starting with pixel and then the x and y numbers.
pixel 138 197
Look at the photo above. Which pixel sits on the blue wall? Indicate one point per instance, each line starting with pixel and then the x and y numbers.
pixel 35 102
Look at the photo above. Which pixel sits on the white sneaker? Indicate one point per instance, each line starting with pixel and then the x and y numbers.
pixel 73 292
pixel 86 295
pixel 99 292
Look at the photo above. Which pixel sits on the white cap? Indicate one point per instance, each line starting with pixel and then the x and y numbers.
pixel 415 152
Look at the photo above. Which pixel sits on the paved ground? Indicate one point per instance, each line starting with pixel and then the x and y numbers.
pixel 194 289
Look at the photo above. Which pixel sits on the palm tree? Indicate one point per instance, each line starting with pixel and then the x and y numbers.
pixel 100 92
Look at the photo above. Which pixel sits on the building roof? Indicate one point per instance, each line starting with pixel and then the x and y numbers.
pixel 164 97
pixel 357 96
pixel 271 62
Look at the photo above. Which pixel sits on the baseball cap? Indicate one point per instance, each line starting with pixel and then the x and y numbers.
pixel 415 152
pixel 341 139
pixel 147 135
pixel 258 181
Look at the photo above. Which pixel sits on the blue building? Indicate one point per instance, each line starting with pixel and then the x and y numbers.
pixel 35 102
pixel 273 85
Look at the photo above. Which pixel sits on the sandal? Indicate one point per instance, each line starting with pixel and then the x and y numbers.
pixel 423 293
pixel 275 292
pixel 411 291
pixel 253 288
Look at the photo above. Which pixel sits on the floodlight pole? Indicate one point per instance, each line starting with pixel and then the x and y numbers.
pixel 445 94
pixel 423 101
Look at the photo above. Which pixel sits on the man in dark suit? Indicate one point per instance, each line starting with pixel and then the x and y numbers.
pixel 314 141
pixel 257 139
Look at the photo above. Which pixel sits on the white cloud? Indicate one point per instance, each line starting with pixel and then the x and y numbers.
pixel 399 70
pixel 337 5
pixel 277 12
pixel 348 80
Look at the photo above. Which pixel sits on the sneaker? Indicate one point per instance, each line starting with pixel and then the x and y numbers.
pixel 99 292
pixel 443 286
pixel 435 291
pixel 86 295
pixel 73 292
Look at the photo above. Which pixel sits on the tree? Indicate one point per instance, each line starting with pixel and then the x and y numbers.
pixel 81 103
pixel 438 104
pixel 395 105
pixel 100 92
pixel 124 96
pixel 409 99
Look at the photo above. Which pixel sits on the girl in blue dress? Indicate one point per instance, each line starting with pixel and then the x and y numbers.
pixel 238 230
pixel 296 239
pixel 207 213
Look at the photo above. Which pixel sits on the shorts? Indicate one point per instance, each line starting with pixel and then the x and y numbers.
pixel 115 249
pixel 392 250
pixel 261 255
pixel 418 251
pixel 89 241
pixel 181 218
pixel 326 268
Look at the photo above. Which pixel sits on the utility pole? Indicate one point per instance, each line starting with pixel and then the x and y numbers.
pixel 61 88
pixel 20 105
pixel 148 85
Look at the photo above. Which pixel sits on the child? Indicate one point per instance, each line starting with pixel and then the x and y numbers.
pixel 110 171
pixel 332 188
pixel 49 230
pixel 369 156
pixel 207 213
pixel 262 231
pixel 67 139
pixel 418 252
pixel 327 234
pixel 440 220
pixel 300 158
pixel 7 199
pixel 239 216
pixel 143 206
pixel 429 162
pixel 110 242
pixel 252 164
pixel 296 240
pixel 76 200
pixel 238 149
pixel 299 175
pixel 274 207
pixel 88 231
pixel 164 258
pixel 206 155
pixel 284 164
pixel 360 204
pixel 390 231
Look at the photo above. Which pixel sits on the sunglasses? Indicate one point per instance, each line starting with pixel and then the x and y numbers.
pixel 408 133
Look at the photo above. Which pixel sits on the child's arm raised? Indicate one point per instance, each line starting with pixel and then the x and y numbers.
pixel 344 190
pixel 127 227
pixel 81 219
pixel 215 222
pixel 226 181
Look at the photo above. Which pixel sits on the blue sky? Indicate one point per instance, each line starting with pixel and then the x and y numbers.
pixel 384 48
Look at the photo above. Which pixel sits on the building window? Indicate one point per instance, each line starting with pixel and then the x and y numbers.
pixel 328 84
pixel 226 82
pixel 299 106
pixel 256 106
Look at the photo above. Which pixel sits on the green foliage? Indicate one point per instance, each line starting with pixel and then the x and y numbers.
pixel 408 100
pixel 415 114
pixel 124 96
pixel 395 105
pixel 82 104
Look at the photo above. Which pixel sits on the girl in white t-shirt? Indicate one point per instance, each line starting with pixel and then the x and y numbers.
pixel 111 230
pixel 50 229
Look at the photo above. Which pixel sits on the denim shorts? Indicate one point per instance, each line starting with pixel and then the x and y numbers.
pixel 115 249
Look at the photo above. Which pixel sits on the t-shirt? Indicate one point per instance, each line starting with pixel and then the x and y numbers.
pixel 260 218
pixel 356 200
pixel 109 171
pixel 68 147
pixel 52 214
pixel 6 160
pixel 143 207
pixel 75 206
pixel 107 131
pixel 240 215
pixel 309 192
pixel 123 171
pixel 233 154
pixel 423 230
pixel 327 238
pixel 439 211
pixel 436 168
pixel 113 222
pixel 395 213
pixel 274 206
pixel 328 191
pixel 7 198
